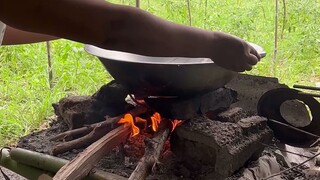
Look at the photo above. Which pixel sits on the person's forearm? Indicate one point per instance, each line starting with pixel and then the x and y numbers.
pixel 107 25
pixel 71 19
pixel 146 34
pixel 15 36
pixel 127 29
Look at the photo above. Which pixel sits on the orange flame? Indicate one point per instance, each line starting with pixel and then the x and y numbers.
pixel 175 123
pixel 128 120
pixel 155 120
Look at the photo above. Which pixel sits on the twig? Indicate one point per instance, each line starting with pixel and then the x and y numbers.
pixel 189 12
pixel 293 167
pixel 275 37
pixel 294 128
pixel 87 129
pixel 284 17
pixel 315 143
pixel 138 3
pixel 205 13
pixel 97 131
pixel 310 94
pixel 84 141
pixel 49 65
pixel 306 87
pixel 283 150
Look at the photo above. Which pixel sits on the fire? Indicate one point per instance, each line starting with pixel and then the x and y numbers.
pixel 155 121
pixel 128 120
pixel 175 123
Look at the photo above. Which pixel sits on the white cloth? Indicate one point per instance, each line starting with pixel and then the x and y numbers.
pixel 2 30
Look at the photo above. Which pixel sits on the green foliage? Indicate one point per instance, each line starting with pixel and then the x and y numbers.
pixel 25 96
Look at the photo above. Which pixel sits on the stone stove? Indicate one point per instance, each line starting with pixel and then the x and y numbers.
pixel 221 134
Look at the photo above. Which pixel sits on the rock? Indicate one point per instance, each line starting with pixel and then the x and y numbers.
pixel 111 94
pixel 77 111
pixel 223 145
pixel 188 107
pixel 250 88
pixel 232 115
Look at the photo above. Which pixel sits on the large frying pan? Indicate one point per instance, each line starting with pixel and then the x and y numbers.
pixel 163 76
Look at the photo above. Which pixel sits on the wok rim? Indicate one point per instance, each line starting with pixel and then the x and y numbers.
pixel 115 55
pixel 121 56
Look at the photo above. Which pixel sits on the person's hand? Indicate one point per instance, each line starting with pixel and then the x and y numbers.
pixel 233 53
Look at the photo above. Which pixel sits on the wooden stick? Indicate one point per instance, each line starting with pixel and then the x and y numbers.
pixel 69 135
pixel 97 131
pixel 87 129
pixel 294 128
pixel 79 167
pixel 84 141
pixel 152 153
pixel 306 87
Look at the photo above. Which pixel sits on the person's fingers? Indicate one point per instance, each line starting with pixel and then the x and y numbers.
pixel 241 67
pixel 254 52
pixel 252 59
pixel 248 67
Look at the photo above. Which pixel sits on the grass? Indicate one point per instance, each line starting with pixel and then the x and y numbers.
pixel 25 96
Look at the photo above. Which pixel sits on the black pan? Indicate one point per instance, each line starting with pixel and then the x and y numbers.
pixel 163 76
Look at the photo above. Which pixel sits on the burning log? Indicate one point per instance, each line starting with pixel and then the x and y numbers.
pixel 152 153
pixel 84 162
pixel 95 131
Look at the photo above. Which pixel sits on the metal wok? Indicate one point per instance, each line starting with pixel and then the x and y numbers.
pixel 163 76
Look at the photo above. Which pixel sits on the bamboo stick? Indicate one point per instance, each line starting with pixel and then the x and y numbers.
pixel 53 164
pixel 28 172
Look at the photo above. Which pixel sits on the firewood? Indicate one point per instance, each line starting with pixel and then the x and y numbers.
pixel 152 153
pixel 87 129
pixel 79 167
pixel 51 165
pixel 84 141
pixel 97 131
